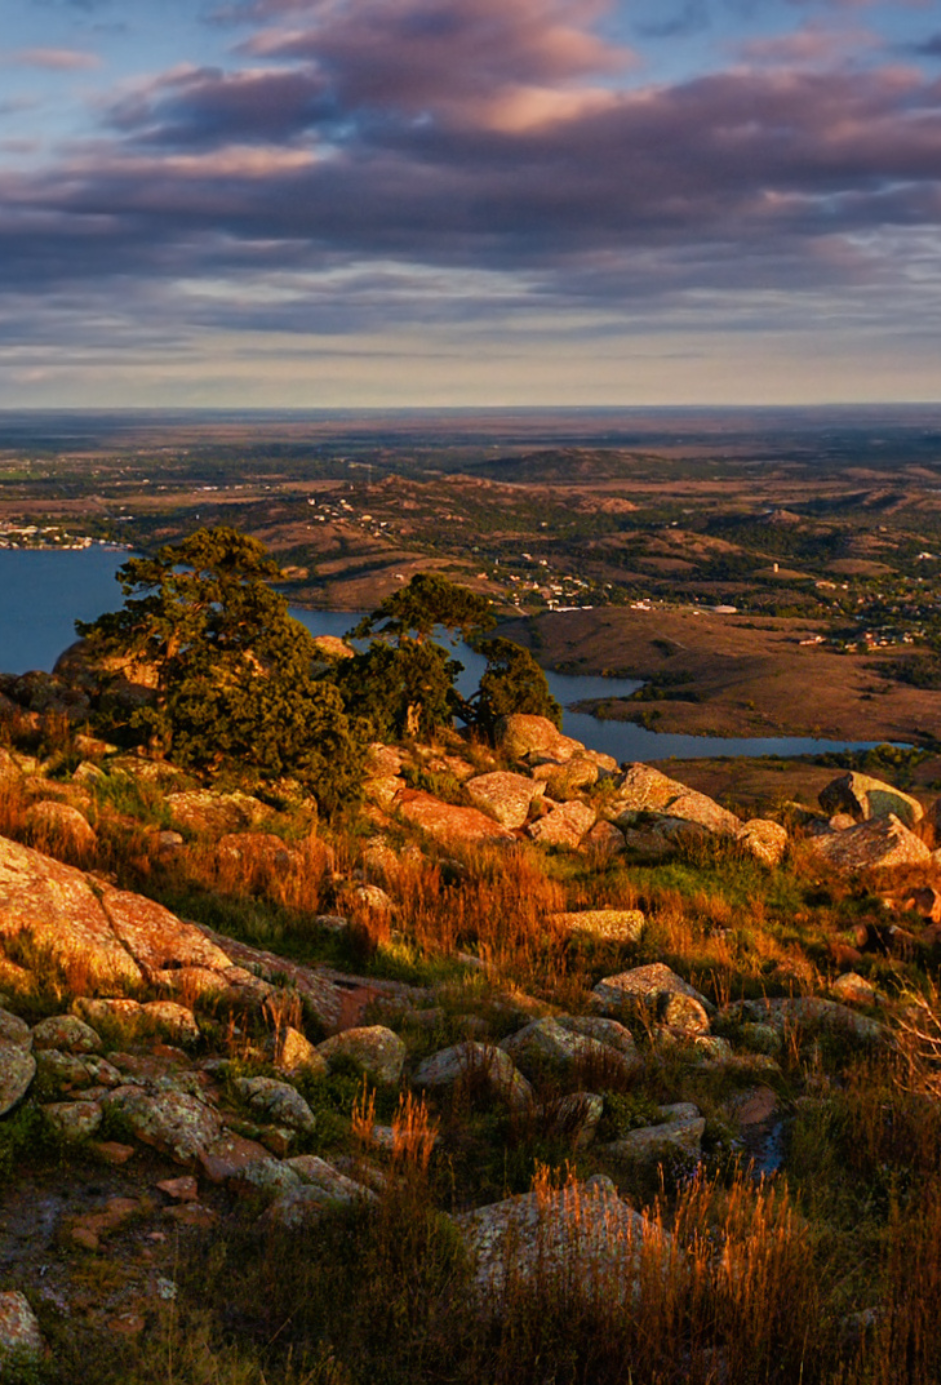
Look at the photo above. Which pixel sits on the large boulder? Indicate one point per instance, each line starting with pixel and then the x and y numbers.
pixel 678 1137
pixel 547 1047
pixel 505 796
pixel 655 993
pixel 863 798
pixel 611 925
pixel 642 789
pixel 202 810
pixel 447 822
pixel 764 839
pixel 52 821
pixel 49 912
pixel 475 1065
pixel 581 1236
pixel 21 1342
pixel 566 781
pixel 17 1070
pixel 277 1102
pixel 878 843
pixel 565 825
pixel 174 1122
pixel 377 1052
pixel 157 939
pixel 520 736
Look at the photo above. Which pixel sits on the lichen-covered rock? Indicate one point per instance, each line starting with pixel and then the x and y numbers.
pixel 783 1014
pixel 156 938
pixel 174 1122
pixel 853 989
pixel 505 796
pixel 315 1172
pixel 568 781
pixel 166 1017
pixel 677 1138
pixel 605 839
pixel 575 1116
pixel 278 1102
pixel 613 925
pixel 69 1071
pixel 20 1336
pixel 654 838
pixel 878 843
pixel 378 1052
pixel 609 1032
pixel 659 994
pixel 643 789
pixel 864 798
pixel 295 1053
pixel 546 1047
pixel 202 810
pixel 67 1033
pixel 15 1030
pixel 73 1121
pixel 565 825
pixel 448 822
pixel 50 910
pixel 474 1064
pixel 764 839
pixel 581 1236
pixel 228 1155
pixel 61 822
pixel 520 735
pixel 17 1070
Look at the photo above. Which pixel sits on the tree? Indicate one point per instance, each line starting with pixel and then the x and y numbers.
pixel 405 681
pixel 513 682
pixel 427 601
pixel 231 667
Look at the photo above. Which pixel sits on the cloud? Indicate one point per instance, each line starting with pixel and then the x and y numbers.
pixel 931 48
pixel 692 18
pixel 358 167
pixel 812 44
pixel 53 59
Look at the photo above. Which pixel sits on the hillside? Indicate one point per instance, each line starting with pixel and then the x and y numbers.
pixel 448 1086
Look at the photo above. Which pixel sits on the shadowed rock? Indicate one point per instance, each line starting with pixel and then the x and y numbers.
pixel 881 842
pixel 863 798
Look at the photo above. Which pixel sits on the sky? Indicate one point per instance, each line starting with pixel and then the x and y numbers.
pixel 378 203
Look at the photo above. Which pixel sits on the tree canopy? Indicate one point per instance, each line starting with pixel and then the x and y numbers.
pixel 429 600
pixel 231 666
pixel 513 682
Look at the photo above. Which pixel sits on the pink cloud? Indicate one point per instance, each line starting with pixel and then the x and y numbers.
pixel 812 44
pixel 54 59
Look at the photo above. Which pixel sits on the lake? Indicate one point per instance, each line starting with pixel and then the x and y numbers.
pixel 42 594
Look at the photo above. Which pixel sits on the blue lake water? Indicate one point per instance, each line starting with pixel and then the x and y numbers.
pixel 42 594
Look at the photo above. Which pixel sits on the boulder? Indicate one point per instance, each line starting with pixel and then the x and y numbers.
pixel 546 1047
pixel 73 1121
pixel 784 1014
pixel 506 797
pixel 320 1188
pixel 157 939
pixel 175 1022
pixel 21 1340
pixel 447 822
pixel 17 1070
pixel 864 798
pixel 656 993
pixel 563 782
pixel 654 838
pixel 677 1137
pixel 875 844
pixel 49 911
pixel 583 1236
pixel 565 825
pixel 67 1033
pixel 474 1063
pixel 605 839
pixel 254 851
pixel 576 1116
pixel 764 839
pixel 14 1030
pixel 202 810
pixel 176 1123
pixel 61 823
pixel 278 1102
pixel 295 1053
pixel 520 736
pixel 377 1052
pixel 68 1071
pixel 612 925
pixel 642 789
pixel 609 1032
pixel 853 989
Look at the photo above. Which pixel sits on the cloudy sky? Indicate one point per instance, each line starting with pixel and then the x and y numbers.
pixel 461 202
